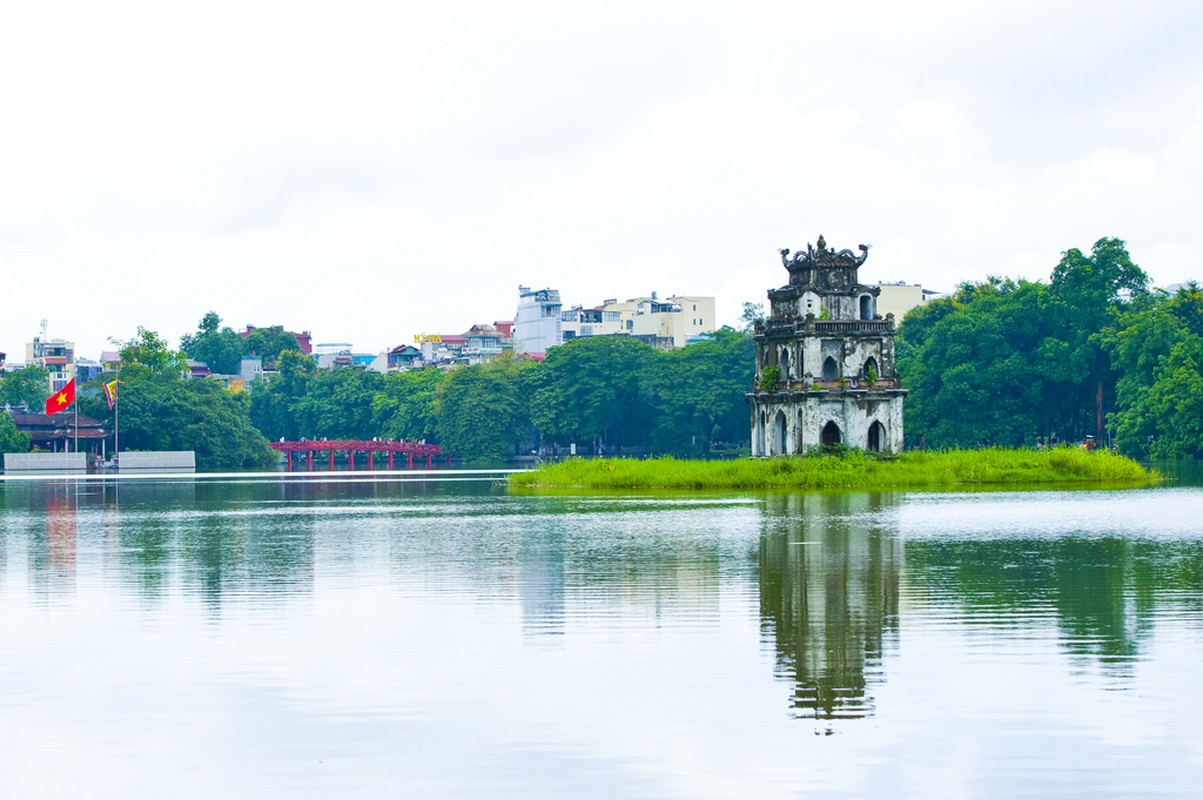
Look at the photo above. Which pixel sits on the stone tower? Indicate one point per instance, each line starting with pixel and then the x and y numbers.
pixel 825 360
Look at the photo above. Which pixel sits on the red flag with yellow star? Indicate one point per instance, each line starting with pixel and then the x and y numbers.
pixel 61 399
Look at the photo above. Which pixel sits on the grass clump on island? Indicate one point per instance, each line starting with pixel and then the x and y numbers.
pixel 848 469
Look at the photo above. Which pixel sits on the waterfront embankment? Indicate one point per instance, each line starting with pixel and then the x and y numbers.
pixel 848 470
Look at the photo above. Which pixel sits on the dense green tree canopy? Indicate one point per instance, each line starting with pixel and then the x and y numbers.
pixel 974 378
pixel 404 406
pixel 480 411
pixel 591 389
pixel 11 439
pixel 29 385
pixel 269 343
pixel 338 405
pixel 147 356
pixel 1009 362
pixel 276 397
pixel 698 394
pixel 192 414
pixel 1155 350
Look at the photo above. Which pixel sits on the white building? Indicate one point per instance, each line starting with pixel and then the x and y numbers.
pixel 578 321
pixel 537 325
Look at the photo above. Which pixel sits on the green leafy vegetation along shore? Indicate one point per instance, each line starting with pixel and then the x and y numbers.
pixel 852 470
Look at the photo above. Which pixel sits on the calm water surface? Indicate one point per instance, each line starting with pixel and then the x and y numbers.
pixel 374 638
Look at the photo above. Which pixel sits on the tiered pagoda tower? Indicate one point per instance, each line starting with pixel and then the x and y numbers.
pixel 825 361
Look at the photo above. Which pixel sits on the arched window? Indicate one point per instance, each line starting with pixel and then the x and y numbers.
pixel 830 435
pixel 831 370
pixel 866 306
pixel 780 447
pixel 785 365
pixel 877 436
pixel 871 364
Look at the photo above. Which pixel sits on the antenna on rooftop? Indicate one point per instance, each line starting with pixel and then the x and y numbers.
pixel 44 324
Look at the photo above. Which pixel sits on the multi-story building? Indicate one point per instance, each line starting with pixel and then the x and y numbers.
pixel 485 343
pixel 899 298
pixel 578 321
pixel 537 324
pixel 56 355
pixel 683 318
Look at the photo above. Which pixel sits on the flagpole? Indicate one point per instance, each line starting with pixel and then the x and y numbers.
pixel 116 427
pixel 76 404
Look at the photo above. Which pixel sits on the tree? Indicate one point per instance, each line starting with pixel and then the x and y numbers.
pixel 1002 361
pixel 275 398
pixel 968 363
pixel 220 348
pixel 148 356
pixel 699 393
pixel 752 313
pixel 269 343
pixel 12 440
pixel 481 409
pixel 1175 400
pixel 591 390
pixel 29 385
pixel 200 415
pixel 338 404
pixel 1084 298
pixel 404 408
pixel 1153 350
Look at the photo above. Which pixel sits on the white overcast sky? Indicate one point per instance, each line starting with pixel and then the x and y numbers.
pixel 368 171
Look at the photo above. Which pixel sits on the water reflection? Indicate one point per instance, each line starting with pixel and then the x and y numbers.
pixel 829 585
pixel 209 539
pixel 1104 594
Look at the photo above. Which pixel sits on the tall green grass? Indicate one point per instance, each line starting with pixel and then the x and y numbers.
pixel 852 469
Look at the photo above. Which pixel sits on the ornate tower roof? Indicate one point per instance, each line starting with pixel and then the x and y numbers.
pixel 804 264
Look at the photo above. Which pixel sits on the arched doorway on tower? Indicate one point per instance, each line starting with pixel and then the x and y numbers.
pixel 877 436
pixel 830 435
pixel 780 443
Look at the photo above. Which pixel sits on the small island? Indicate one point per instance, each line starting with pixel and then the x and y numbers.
pixel 849 469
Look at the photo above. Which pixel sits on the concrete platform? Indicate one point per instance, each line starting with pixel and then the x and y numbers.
pixel 46 463
pixel 156 461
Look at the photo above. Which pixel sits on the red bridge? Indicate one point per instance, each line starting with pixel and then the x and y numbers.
pixel 410 449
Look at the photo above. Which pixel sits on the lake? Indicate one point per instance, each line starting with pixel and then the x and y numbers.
pixel 370 637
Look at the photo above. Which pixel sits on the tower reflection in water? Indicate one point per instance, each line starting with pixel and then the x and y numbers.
pixel 829 598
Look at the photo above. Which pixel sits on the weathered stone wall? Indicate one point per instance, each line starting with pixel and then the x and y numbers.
pixel 806 413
